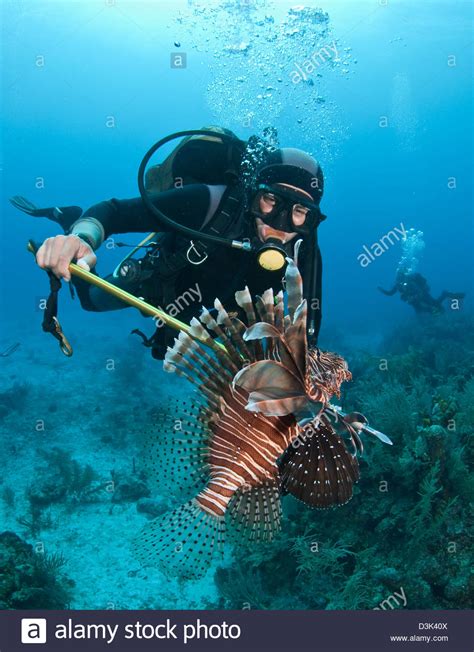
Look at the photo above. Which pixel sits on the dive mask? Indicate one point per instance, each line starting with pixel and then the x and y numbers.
pixel 289 212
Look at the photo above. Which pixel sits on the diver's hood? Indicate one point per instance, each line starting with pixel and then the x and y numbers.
pixel 293 167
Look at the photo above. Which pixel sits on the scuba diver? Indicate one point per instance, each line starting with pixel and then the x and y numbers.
pixel 414 290
pixel 211 231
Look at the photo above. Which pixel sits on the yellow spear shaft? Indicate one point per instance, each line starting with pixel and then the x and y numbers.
pixel 133 301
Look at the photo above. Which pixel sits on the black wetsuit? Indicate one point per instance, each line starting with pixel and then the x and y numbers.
pixel 224 272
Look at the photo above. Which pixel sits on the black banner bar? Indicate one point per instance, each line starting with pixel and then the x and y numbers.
pixel 246 631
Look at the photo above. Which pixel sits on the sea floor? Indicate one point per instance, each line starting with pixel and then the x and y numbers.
pixel 91 406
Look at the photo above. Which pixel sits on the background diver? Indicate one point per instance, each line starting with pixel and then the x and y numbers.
pixel 414 290
pixel 200 185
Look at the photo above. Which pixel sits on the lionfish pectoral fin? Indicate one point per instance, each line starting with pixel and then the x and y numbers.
pixel 354 420
pixel 378 434
pixel 265 374
pixel 290 347
pixel 318 469
pixel 345 429
pixel 304 419
pixel 291 343
pixel 356 417
pixel 358 422
pixel 275 407
pixel 175 451
pixel 309 413
pixel 255 513
pixel 181 543
pixel 260 330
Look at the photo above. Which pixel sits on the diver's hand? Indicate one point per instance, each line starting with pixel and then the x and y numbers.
pixel 56 253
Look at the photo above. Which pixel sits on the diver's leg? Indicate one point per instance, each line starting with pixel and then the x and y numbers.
pixel 450 295
pixel 64 215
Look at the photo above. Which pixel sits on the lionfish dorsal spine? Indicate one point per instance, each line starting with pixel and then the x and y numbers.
pixel 239 348
pixel 294 287
pixel 211 324
pixel 201 351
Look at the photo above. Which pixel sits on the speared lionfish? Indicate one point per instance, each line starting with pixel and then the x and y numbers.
pixel 262 425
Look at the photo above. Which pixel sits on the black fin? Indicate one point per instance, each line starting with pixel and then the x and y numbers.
pixel 318 469
pixel 256 513
pixel 64 215
pixel 181 543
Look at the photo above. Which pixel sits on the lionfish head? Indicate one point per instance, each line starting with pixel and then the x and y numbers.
pixel 325 372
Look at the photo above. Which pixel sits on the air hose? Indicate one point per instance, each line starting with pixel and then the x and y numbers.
pixel 164 219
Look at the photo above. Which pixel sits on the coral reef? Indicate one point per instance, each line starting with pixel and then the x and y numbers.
pixel 408 527
pixel 30 580
pixel 63 478
pixel 8 497
pixel 13 399
pixel 128 487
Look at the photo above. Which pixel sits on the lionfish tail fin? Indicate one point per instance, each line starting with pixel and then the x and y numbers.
pixel 181 543
pixel 255 513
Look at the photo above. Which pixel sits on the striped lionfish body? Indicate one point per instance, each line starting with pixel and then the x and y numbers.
pixel 262 425
pixel 243 454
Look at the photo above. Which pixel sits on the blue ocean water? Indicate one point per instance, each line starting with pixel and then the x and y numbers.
pixel 87 88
